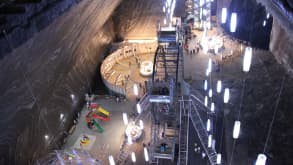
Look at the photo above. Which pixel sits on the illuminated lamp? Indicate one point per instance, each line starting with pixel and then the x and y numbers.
pixel 236 129
pixel 233 22
pixel 247 59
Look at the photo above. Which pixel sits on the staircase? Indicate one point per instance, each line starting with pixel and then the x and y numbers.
pixel 183 134
pixel 202 133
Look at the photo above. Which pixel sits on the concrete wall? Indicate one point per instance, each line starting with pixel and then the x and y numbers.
pixel 38 78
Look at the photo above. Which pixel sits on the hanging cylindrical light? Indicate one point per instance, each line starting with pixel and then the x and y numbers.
pixel 207 72
pixel 247 59
pixel 213 107
pixel 129 139
pixel 206 101
pixel 219 158
pixel 236 129
pixel 133 158
pixel 125 119
pixel 146 154
pixel 264 23
pixel 135 89
pixel 141 124
pixel 210 141
pixel 268 15
pixel 219 86
pixel 138 108
pixel 208 125
pixel 111 160
pixel 233 22
pixel 164 9
pixel 224 15
pixel 205 85
pixel 210 65
pixel 261 159
pixel 226 95
pixel 210 93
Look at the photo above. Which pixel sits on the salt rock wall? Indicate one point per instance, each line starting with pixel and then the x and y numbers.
pixel 281 46
pixel 141 21
pixel 38 78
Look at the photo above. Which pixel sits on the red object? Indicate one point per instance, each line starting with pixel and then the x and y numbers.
pixel 101 117
pixel 94 105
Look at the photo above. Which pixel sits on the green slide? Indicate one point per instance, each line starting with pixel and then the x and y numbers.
pixel 101 129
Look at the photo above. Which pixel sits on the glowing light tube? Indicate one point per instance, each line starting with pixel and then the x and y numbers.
pixel 146 154
pixel 236 129
pixel 213 107
pixel 206 101
pixel 138 108
pixel 210 141
pixel 210 93
pixel 205 85
pixel 129 139
pixel 135 89
pixel 208 125
pixel 219 86
pixel 141 124
pixel 261 159
pixel 224 15
pixel 164 9
pixel 247 59
pixel 226 95
pixel 210 65
pixel 111 160
pixel 219 158
pixel 125 119
pixel 233 22
pixel 133 158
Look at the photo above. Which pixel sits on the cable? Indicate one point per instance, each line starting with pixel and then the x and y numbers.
pixel 274 115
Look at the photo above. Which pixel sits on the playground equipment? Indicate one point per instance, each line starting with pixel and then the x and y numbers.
pixel 96 112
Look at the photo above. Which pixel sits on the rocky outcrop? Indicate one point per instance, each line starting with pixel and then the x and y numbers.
pixel 48 76
pixel 281 46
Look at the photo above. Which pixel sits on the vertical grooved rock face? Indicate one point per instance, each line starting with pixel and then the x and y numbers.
pixel 38 78
pixel 281 46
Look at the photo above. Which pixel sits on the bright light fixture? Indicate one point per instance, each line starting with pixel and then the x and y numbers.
pixel 236 129
pixel 135 89
pixel 210 65
pixel 205 85
pixel 146 154
pixel 268 15
pixel 133 158
pixel 61 116
pixel 129 139
pixel 165 21
pixel 138 108
pixel 164 9
pixel 141 124
pixel 210 141
pixel 226 95
pixel 72 96
pixel 261 159
pixel 207 72
pixel 247 59
pixel 111 160
pixel 224 15
pixel 219 158
pixel 213 107
pixel 206 101
pixel 46 137
pixel 208 125
pixel 219 86
pixel 233 22
pixel 210 93
pixel 264 23
pixel 125 119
